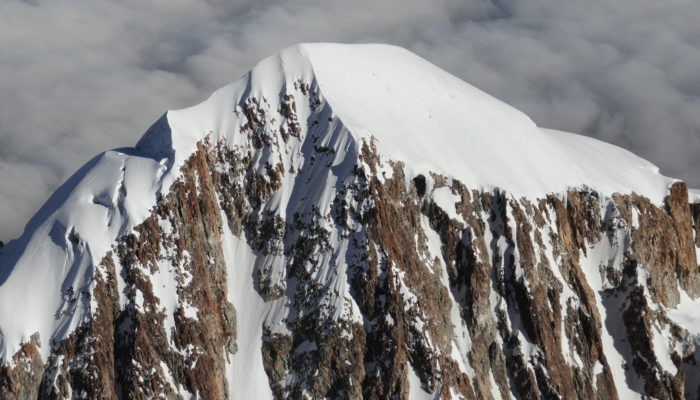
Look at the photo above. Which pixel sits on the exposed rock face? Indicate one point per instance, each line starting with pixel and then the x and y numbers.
pixel 378 285
pixel 20 378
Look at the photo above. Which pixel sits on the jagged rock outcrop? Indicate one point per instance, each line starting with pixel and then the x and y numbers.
pixel 297 253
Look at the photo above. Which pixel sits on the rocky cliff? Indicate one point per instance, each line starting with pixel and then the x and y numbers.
pixel 285 256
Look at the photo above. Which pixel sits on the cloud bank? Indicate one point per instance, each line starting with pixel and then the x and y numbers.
pixel 78 77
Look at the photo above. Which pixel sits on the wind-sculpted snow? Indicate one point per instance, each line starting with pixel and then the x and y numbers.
pixel 351 221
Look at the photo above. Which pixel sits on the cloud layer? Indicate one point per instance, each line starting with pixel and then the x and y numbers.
pixel 78 77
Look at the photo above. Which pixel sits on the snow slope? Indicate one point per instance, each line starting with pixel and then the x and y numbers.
pixel 418 114
pixel 433 120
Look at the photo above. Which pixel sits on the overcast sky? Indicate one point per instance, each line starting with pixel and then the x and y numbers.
pixel 78 77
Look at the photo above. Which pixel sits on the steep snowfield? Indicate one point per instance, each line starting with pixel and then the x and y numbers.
pixel 41 272
pixel 418 114
pixel 435 121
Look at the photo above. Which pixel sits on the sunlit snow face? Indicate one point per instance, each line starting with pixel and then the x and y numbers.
pixel 75 82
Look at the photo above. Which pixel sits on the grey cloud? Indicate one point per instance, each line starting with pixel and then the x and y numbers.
pixel 78 77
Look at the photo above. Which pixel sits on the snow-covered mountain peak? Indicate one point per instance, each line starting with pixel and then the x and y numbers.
pixel 428 118
pixel 345 94
pixel 353 221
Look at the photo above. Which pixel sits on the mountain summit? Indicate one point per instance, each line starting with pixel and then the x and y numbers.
pixel 350 221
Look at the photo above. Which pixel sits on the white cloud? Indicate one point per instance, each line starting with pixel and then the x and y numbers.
pixel 78 77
